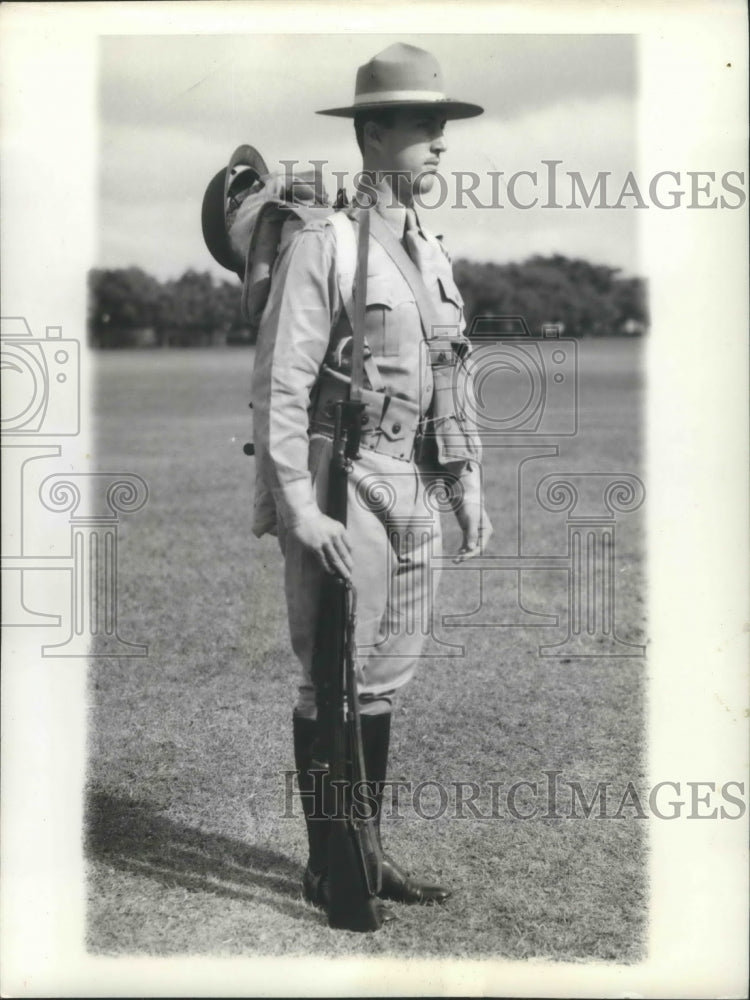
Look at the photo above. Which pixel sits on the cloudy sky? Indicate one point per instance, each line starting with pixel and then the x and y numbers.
pixel 173 107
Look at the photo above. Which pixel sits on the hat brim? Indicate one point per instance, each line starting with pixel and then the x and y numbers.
pixel 453 110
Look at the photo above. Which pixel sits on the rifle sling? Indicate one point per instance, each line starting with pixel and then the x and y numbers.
pixel 360 306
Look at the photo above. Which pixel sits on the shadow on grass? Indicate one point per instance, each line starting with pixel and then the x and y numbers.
pixel 131 836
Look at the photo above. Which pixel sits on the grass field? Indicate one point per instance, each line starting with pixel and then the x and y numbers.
pixel 189 850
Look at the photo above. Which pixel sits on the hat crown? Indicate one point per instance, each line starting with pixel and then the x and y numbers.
pixel 400 67
pixel 402 76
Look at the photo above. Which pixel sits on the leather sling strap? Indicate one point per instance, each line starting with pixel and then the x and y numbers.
pixel 360 305
pixel 385 236
pixel 346 260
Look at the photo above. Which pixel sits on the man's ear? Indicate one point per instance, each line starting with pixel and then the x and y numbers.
pixel 372 134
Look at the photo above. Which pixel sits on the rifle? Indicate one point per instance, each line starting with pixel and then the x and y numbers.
pixel 354 861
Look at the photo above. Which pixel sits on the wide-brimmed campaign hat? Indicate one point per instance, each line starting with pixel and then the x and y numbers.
pixel 402 76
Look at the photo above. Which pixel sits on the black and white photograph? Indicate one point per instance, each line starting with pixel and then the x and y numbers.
pixel 375 499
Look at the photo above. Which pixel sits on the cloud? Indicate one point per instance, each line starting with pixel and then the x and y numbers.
pixel 214 79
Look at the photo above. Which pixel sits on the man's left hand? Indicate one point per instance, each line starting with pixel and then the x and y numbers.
pixel 472 517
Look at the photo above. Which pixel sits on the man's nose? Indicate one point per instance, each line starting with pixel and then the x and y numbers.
pixel 438 144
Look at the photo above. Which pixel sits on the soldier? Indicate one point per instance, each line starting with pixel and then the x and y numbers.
pixel 411 433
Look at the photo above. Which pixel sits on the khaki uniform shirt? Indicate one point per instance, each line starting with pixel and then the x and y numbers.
pixel 301 325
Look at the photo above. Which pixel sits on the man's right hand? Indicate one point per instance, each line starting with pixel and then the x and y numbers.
pixel 328 540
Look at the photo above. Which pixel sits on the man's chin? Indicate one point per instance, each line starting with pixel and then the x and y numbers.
pixel 425 182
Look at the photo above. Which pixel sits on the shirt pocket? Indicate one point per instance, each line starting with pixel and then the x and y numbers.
pixel 451 307
pixel 449 291
pixel 389 312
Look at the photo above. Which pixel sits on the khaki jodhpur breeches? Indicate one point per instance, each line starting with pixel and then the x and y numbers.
pixel 394 528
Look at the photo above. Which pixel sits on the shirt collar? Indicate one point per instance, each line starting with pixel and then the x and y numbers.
pixel 389 209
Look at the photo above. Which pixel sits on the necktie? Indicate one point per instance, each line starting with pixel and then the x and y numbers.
pixel 418 249
pixel 416 245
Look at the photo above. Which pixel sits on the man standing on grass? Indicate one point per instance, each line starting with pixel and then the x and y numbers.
pixel 414 437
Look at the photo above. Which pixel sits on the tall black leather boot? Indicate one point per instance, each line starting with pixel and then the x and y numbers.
pixel 310 778
pixel 311 774
pixel 397 884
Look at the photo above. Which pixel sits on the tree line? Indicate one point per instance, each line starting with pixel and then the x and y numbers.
pixel 130 308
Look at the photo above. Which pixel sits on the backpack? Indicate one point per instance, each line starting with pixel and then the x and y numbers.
pixel 266 209
pixel 275 225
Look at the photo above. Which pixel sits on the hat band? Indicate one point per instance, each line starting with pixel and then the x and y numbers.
pixel 392 96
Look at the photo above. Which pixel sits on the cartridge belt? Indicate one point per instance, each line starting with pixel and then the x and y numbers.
pixel 390 425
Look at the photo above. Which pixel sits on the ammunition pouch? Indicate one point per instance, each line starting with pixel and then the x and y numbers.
pixel 390 425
